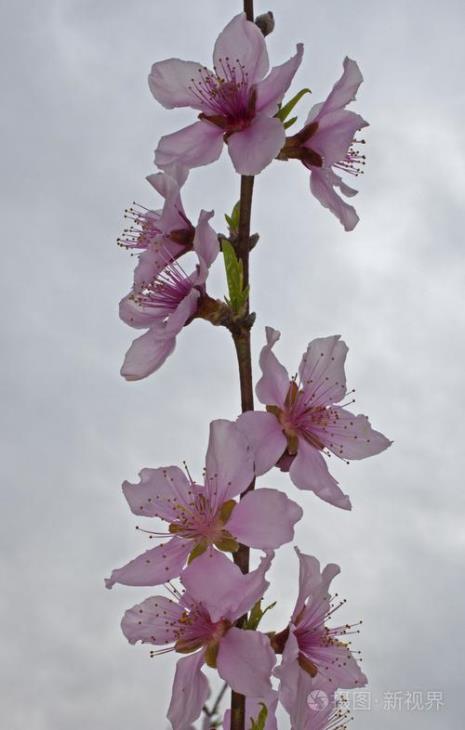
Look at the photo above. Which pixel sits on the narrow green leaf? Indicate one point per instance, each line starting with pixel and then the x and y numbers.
pixel 233 219
pixel 285 110
pixel 259 723
pixel 236 212
pixel 257 614
pixel 234 276
pixel 290 122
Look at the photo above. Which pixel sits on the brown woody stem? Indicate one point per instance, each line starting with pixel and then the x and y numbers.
pixel 244 359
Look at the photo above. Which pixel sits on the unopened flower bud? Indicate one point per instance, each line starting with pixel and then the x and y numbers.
pixel 265 22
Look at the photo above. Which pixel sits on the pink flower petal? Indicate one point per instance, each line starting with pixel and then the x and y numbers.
pixel 173 216
pixel 245 661
pixel 265 436
pixel 170 82
pixel 309 471
pixel 206 243
pixel 190 692
pixel 152 622
pixel 210 579
pixel 273 386
pixel 322 370
pixel 322 183
pixel 351 437
pixel 183 312
pixel 153 567
pixel 158 492
pixel 339 665
pixel 150 264
pixel 146 354
pixel 264 519
pixel 253 148
pixel 229 462
pixel 270 91
pixel 133 315
pixel 253 587
pixel 344 90
pixel 178 173
pixel 313 582
pixel 335 135
pixel 242 40
pixel 193 146
pixel 288 672
pixel 215 581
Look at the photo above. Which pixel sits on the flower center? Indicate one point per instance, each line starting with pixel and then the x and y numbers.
pixel 166 291
pixel 226 96
pixel 297 418
pixel 195 629
pixel 204 526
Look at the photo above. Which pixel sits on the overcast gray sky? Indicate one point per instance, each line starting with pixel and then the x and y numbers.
pixel 78 130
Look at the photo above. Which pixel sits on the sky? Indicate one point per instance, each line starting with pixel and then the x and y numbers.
pixel 78 129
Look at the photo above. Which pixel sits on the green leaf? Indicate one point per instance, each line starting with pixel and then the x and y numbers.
pixel 257 614
pixel 285 110
pixel 259 723
pixel 233 219
pixel 234 276
pixel 290 122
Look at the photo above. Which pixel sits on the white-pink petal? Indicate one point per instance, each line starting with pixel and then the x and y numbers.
pixel 270 91
pixel 264 519
pixel 322 184
pixel 216 582
pixel 158 492
pixel 206 243
pixel 335 135
pixel 352 437
pixel 288 672
pixel 242 41
pixel 154 621
pixel 155 566
pixel 253 148
pixel 321 371
pixel 273 386
pixel 229 464
pixel 190 692
pixel 313 583
pixel 134 315
pixel 198 144
pixel 147 354
pixel 266 437
pixel 345 89
pixel 151 263
pixel 309 471
pixel 253 587
pixel 171 81
pixel 186 309
pixel 245 661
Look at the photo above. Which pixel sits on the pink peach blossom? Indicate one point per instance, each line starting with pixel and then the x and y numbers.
pixel 302 422
pixel 313 654
pixel 200 623
pixel 205 517
pixel 325 144
pixel 159 234
pixel 167 303
pixel 236 102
